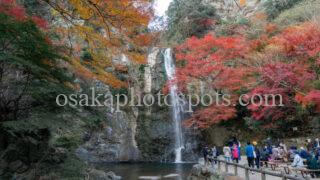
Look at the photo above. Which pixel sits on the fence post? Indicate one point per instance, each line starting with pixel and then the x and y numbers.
pixel 263 175
pixel 283 176
pixel 236 170
pixel 226 166
pixel 247 173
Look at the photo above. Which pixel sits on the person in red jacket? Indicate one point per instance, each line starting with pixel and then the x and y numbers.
pixel 235 153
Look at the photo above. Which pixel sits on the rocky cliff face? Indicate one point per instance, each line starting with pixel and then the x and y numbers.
pixel 114 142
pixel 115 139
pixel 137 132
pixel 154 129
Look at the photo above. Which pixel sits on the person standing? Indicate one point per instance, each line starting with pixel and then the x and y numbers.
pixel 214 152
pixel 250 154
pixel 275 153
pixel 235 153
pixel 265 156
pixel 316 144
pixel 205 152
pixel 227 153
pixel 257 154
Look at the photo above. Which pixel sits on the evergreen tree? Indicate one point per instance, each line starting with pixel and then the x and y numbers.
pixel 188 18
pixel 29 67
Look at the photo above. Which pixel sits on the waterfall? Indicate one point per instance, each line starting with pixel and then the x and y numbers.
pixel 176 105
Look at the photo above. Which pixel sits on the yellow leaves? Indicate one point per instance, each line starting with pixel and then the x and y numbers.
pixel 136 57
pixel 104 28
pixel 82 8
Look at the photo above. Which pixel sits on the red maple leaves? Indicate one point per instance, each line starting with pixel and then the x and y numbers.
pixel 12 8
pixel 286 67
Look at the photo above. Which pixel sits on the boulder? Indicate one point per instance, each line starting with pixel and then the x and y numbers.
pixel 95 174
pixel 202 172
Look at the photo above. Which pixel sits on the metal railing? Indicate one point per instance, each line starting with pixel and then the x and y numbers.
pixel 263 173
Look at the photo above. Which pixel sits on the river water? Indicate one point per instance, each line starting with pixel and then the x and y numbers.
pixel 132 171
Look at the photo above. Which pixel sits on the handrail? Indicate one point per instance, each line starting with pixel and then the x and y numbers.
pixel 247 169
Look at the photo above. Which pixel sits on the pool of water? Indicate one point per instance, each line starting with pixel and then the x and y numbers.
pixel 133 171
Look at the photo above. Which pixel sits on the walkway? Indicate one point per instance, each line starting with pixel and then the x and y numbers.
pixel 252 175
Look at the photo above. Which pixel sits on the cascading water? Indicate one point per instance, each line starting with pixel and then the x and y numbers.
pixel 176 105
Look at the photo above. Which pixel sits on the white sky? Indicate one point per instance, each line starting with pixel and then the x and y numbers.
pixel 160 7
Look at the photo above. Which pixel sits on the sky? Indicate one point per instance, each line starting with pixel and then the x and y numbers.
pixel 160 7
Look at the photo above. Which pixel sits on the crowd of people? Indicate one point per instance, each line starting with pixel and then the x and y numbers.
pixel 260 154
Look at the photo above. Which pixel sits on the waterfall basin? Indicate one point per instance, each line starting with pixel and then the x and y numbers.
pixel 143 170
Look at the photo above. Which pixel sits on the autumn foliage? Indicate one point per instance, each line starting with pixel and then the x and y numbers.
pixel 105 29
pixel 284 63
pixel 12 8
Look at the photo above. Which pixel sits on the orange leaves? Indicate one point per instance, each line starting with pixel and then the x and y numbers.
pixel 145 40
pixel 242 2
pixel 82 8
pixel 101 75
pixel 136 57
pixel 105 28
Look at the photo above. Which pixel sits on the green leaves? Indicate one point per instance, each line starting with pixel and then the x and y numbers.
pixel 30 67
pixel 188 18
pixel 274 7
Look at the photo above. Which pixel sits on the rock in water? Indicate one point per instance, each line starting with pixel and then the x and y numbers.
pixel 112 176
pixel 95 174
pixel 202 172
pixel 176 176
pixel 150 177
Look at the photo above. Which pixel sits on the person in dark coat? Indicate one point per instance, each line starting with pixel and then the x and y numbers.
pixel 257 154
pixel 205 152
pixel 265 155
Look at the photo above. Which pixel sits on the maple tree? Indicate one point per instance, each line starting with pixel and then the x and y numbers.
pixel 107 28
pixel 284 64
pixel 217 61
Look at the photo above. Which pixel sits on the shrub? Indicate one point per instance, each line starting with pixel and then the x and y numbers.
pixel 304 11
pixel 274 7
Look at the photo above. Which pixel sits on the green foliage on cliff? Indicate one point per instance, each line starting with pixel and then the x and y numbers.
pixel 188 18
pixel 304 11
pixel 29 68
pixel 274 7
